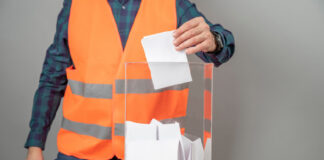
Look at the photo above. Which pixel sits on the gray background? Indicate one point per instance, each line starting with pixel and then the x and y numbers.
pixel 269 98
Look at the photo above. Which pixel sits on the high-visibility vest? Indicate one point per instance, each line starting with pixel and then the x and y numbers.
pixel 94 100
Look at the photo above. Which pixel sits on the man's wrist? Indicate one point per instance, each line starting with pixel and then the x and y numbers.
pixel 35 148
pixel 218 42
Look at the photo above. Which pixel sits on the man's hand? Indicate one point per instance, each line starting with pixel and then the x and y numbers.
pixel 194 36
pixel 34 153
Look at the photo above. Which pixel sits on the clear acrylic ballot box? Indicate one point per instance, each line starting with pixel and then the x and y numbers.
pixel 168 110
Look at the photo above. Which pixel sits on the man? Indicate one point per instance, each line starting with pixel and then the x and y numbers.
pixel 94 38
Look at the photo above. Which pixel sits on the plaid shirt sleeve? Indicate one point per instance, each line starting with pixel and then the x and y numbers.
pixel 52 83
pixel 186 11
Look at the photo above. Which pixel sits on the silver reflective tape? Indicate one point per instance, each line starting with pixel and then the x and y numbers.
pixel 207 125
pixel 93 130
pixel 119 129
pixel 208 84
pixel 143 86
pixel 91 90
pixel 180 120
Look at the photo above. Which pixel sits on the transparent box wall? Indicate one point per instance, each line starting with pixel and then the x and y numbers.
pixel 189 104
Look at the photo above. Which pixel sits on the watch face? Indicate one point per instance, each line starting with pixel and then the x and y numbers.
pixel 219 41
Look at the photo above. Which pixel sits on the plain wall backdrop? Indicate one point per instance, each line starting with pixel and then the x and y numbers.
pixel 269 98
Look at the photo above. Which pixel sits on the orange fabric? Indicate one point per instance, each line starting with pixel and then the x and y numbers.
pixel 208 105
pixel 208 69
pixel 94 145
pixel 98 57
pixel 145 109
pixel 206 136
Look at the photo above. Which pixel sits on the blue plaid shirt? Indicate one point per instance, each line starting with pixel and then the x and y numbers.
pixel 53 80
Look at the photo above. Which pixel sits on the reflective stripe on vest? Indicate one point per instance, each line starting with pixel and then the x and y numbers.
pixel 93 130
pixel 91 90
pixel 143 86
pixel 207 125
pixel 208 84
pixel 105 132
pixel 105 90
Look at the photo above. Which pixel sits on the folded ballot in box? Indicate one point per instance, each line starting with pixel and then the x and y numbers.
pixel 167 117
pixel 161 142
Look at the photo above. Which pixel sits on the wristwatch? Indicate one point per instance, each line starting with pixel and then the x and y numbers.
pixel 218 41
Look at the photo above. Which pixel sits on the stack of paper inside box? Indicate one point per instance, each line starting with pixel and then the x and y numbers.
pixel 157 141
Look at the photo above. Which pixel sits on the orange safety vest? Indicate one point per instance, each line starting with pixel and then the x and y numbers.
pixel 94 100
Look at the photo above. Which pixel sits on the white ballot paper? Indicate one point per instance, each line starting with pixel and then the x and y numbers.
pixel 138 132
pixel 161 142
pixel 152 141
pixel 174 70
pixel 197 150
pixel 186 144
pixel 152 150
pixel 170 131
pixel 193 148
pixel 208 152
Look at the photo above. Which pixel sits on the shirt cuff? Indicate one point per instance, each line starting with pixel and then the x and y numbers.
pixel 35 140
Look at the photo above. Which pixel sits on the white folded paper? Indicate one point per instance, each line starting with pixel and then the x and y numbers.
pixel 193 148
pixel 152 150
pixel 168 67
pixel 187 147
pixel 152 141
pixel 170 131
pixel 208 151
pixel 162 142
pixel 197 150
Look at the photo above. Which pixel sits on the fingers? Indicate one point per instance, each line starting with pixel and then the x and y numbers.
pixel 192 41
pixel 187 26
pixel 200 47
pixel 187 35
pixel 194 36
